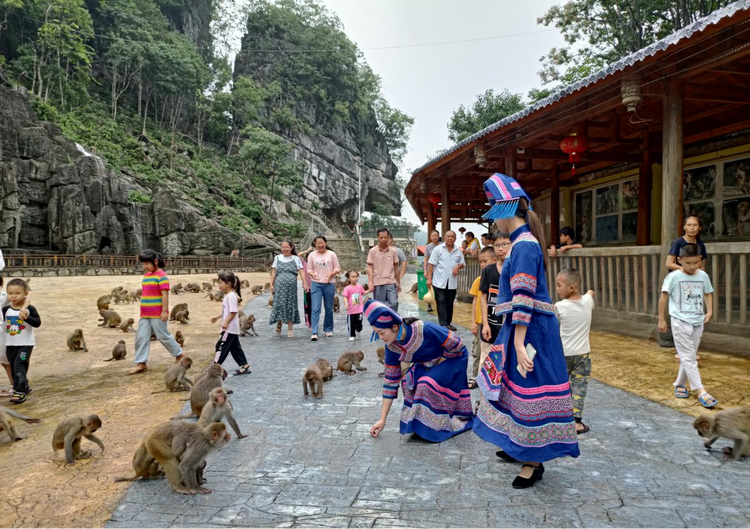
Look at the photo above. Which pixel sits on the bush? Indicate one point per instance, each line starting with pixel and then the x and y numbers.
pixel 139 198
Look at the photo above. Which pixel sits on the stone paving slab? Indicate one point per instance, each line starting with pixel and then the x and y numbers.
pixel 312 463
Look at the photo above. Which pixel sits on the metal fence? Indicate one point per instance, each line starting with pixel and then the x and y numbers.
pixel 27 261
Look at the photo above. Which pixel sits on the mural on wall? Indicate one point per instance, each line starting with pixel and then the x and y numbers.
pixel 607 200
pixel 736 178
pixel 629 198
pixel 736 218
pixel 699 183
pixel 704 211
pixel 584 225
pixel 607 229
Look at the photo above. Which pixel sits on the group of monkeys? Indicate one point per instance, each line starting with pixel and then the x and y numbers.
pixel 322 370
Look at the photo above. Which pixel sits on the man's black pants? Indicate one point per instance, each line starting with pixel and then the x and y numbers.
pixel 444 299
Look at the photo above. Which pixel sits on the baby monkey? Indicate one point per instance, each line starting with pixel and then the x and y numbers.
pixel 349 360
pixel 731 424
pixel 68 436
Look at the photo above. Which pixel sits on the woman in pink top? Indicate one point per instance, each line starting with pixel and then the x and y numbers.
pixel 322 267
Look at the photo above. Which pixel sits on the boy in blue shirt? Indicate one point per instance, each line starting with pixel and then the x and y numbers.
pixel 684 291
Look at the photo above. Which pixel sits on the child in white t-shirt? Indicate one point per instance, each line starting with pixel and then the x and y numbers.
pixel 574 313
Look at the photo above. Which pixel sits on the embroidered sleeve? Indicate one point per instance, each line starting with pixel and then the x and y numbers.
pixel 391 374
pixel 523 280
pixel 453 347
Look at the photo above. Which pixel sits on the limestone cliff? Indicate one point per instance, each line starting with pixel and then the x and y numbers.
pixel 55 196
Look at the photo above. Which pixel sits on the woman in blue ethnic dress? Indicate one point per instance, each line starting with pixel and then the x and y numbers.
pixel 437 401
pixel 525 407
pixel 284 272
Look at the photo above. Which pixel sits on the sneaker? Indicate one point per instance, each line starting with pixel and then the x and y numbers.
pixel 351 338
pixel 329 334
pixel 314 338
pixel 139 368
pixel 451 328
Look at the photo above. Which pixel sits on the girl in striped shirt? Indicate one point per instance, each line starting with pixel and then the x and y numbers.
pixel 154 311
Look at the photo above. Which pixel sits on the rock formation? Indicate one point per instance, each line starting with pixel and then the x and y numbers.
pixel 55 196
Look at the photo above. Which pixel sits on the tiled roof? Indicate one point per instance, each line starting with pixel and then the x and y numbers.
pixel 630 60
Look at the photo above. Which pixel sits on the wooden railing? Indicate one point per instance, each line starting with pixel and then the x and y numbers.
pixel 628 279
pixel 21 261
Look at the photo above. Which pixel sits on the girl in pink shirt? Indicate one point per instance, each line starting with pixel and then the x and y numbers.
pixel 322 267
pixel 354 295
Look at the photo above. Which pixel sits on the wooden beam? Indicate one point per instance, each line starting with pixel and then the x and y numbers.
pixel 594 156
pixel 554 207
pixel 716 94
pixel 645 183
pixel 510 162
pixel 672 153
pixel 430 219
pixel 446 212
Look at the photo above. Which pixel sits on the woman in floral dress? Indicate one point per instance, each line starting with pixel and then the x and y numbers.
pixel 284 272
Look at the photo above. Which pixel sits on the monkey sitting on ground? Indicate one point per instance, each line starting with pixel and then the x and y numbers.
pixel 207 287
pixel 267 288
pixel 336 304
pixel 381 358
pixel 179 338
pixel 193 287
pixel 202 387
pixel 217 408
pixel 181 449
pixel 138 294
pixel 257 290
pixel 180 307
pixel 219 296
pixel 347 360
pixel 76 341
pixel 68 436
pixel 245 283
pixel 127 326
pixel 176 289
pixel 144 466
pixel 133 297
pixel 731 424
pixel 214 281
pixel 115 291
pixel 118 352
pixel 314 378
pixel 175 378
pixel 109 318
pixel 325 368
pixel 103 303
pixel 247 323
pixel 414 288
pixel 182 317
pixel 6 423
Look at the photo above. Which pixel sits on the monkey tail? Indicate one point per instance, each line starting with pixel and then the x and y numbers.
pixel 22 417
pixel 134 478
pixel 184 416
pixel 155 392
pixel 108 359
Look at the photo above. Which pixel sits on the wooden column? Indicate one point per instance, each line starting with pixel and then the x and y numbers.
pixel 645 184
pixel 672 147
pixel 554 207
pixel 445 215
pixel 510 162
pixel 430 219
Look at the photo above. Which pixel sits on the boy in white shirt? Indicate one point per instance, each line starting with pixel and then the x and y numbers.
pixel 574 313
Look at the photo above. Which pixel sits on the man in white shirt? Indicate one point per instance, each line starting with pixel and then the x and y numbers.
pixel 574 313
pixel 442 275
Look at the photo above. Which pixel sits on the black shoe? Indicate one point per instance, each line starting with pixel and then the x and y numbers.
pixel 452 328
pixel 525 483
pixel 502 454
pixel 429 308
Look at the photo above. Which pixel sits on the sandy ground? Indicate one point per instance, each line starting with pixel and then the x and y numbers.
pixel 38 489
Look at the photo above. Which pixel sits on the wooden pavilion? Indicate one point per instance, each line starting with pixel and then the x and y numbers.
pixel 666 131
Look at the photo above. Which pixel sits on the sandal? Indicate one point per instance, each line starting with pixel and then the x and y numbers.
pixel 6 392
pixel 472 383
pixel 18 398
pixel 329 334
pixel 584 430
pixel 706 400
pixel 290 334
pixel 681 392
pixel 244 370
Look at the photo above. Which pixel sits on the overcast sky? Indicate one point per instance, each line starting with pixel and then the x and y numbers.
pixel 429 82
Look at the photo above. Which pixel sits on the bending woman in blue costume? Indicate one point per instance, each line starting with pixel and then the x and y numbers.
pixel 437 401
pixel 529 416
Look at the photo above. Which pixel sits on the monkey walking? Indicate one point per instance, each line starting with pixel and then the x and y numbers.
pixel 731 424
pixel 179 338
pixel 257 290
pixel 347 360
pixel 127 326
pixel 218 408
pixel 68 435
pixel 76 341
pixel 381 358
pixel 109 318
pixel 247 323
pixel 336 304
pixel 6 423
pixel 325 368
pixel 119 352
pixel 313 379
pixel 175 378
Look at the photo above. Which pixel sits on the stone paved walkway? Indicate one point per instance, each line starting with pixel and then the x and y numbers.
pixel 313 463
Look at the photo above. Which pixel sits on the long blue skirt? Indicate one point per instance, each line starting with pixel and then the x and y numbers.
pixel 530 418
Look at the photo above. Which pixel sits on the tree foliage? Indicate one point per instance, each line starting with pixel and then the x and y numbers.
pixel 599 32
pixel 488 108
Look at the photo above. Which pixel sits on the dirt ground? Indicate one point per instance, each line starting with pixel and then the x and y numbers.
pixel 38 489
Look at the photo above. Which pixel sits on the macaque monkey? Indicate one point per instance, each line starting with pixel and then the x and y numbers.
pixel 325 368
pixel 103 303
pixel 179 338
pixel 68 436
pixel 6 423
pixel 257 290
pixel 347 360
pixel 245 283
pixel 28 280
pixel 122 297
pixel 180 307
pixel 181 449
pixel 193 287
pixel 207 287
pixel 247 323
pixel 336 304
pixel 314 379
pixel 214 281
pixel 270 301
pixel 175 378
pixel 219 296
pixel 202 387
pixel 176 289
pixel 267 288
pixel 109 318
pixel 118 352
pixel 182 317
pixel 138 294
pixel 76 341
pixel 415 288
pixel 127 326
pixel 217 408
pixel 144 466
pixel 381 358
pixel 731 424
pixel 115 291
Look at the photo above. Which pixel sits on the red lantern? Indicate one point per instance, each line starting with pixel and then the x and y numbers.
pixel 435 198
pixel 574 146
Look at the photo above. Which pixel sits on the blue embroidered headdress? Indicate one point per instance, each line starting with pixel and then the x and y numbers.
pixel 380 316
pixel 503 193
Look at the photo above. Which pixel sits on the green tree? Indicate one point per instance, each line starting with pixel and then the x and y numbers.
pixel 599 32
pixel 489 108
pixel 395 126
